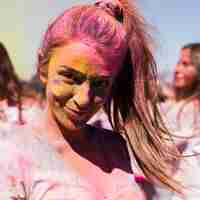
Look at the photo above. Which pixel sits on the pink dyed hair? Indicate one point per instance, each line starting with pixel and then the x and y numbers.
pixel 90 25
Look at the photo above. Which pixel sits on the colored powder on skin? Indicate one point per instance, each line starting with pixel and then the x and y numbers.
pixel 140 179
pixel 56 81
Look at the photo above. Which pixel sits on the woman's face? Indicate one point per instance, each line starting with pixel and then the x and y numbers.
pixel 79 81
pixel 186 73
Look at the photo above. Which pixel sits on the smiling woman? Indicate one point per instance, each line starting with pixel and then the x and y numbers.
pixel 92 56
pixel 78 84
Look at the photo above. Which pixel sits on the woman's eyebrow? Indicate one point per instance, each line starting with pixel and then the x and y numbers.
pixel 100 77
pixel 84 76
pixel 73 71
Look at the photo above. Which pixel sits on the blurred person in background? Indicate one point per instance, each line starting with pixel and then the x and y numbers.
pixel 10 89
pixel 185 104
pixel 181 113
pixel 16 95
pixel 33 93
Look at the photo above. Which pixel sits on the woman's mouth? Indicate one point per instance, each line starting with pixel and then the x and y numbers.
pixel 75 114
pixel 179 76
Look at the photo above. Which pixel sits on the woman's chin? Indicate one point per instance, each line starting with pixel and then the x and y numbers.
pixel 70 122
pixel 71 125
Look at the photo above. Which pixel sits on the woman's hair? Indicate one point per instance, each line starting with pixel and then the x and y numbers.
pixel 118 32
pixel 10 86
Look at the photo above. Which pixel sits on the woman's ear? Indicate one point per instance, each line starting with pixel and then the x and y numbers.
pixel 42 69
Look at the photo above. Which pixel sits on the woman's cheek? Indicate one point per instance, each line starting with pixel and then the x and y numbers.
pixel 60 89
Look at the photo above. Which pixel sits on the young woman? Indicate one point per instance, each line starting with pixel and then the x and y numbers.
pixel 182 115
pixel 92 56
pixel 185 106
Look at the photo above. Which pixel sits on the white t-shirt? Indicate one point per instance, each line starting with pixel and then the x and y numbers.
pixel 31 169
pixel 185 124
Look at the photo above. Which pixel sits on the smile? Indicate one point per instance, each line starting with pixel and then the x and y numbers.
pixel 74 113
pixel 179 76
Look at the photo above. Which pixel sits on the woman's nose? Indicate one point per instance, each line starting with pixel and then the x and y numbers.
pixel 83 95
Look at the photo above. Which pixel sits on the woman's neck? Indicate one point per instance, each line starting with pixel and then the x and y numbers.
pixel 61 138
pixel 183 94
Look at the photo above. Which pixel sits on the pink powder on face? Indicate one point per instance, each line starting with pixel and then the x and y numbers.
pixel 56 81
pixel 49 94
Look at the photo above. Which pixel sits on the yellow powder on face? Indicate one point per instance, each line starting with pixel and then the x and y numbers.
pixel 76 59
pixel 81 64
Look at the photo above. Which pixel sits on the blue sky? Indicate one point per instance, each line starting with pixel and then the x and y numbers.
pixel 175 23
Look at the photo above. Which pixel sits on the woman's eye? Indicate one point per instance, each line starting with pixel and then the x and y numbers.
pixel 78 79
pixel 100 83
pixel 72 78
pixel 66 74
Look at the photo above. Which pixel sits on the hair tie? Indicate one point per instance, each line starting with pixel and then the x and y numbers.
pixel 112 8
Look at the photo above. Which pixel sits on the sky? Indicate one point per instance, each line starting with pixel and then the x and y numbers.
pixel 23 22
